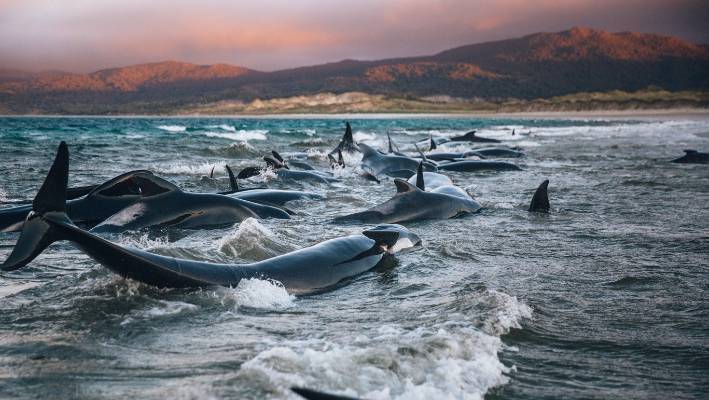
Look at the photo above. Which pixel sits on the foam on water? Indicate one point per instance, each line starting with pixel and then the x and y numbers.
pixel 261 294
pixel 173 128
pixel 252 241
pixel 241 135
pixel 179 168
pixel 161 309
pixel 443 361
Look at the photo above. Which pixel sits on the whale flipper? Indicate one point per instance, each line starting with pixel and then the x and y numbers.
pixel 310 394
pixel 540 200
pixel 232 179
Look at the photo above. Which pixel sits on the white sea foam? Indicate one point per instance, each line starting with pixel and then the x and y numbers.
pixel 262 294
pixel 3 195
pixel 173 128
pixel 364 136
pixel 162 309
pixel 223 126
pixel 252 241
pixel 441 362
pixel 241 135
pixel 509 312
pixel 178 168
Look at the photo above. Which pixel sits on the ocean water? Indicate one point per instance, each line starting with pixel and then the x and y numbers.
pixel 606 297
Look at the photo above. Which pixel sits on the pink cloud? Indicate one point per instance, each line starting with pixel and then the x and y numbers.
pixel 271 34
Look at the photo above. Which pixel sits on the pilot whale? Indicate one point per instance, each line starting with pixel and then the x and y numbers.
pixel 100 203
pixel 478 166
pixel 167 205
pixel 277 164
pixel 376 163
pixel 412 202
pixel 308 270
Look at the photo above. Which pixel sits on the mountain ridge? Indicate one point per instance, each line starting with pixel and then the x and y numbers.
pixel 539 65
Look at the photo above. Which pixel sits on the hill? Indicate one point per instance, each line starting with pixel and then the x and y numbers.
pixel 537 66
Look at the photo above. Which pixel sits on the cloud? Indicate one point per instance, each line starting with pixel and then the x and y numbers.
pixel 86 35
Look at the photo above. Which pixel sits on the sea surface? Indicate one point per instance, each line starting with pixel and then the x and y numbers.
pixel 605 297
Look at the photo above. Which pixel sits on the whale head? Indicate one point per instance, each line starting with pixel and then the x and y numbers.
pixel 393 237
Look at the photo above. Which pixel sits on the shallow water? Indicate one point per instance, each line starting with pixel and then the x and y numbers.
pixel 606 297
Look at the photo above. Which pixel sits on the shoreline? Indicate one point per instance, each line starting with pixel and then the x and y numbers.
pixel 644 114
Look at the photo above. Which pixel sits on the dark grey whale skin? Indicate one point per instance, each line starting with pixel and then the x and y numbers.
pixel 376 163
pixel 411 204
pixel 478 166
pixel 171 207
pixel 693 157
pixel 100 203
pixel 308 270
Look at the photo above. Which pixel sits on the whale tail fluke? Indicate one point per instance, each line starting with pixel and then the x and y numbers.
pixel 540 200
pixel 49 205
pixel 348 138
pixel 311 394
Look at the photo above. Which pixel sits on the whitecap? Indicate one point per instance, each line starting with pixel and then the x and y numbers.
pixel 178 168
pixel 252 241
pixel 241 135
pixel 173 128
pixel 441 362
pixel 261 294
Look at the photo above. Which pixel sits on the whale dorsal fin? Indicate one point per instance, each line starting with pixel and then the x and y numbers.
pixel 540 200
pixel 469 135
pixel 403 186
pixel 431 143
pixel 211 173
pixel 232 179
pixel 419 177
pixel 391 148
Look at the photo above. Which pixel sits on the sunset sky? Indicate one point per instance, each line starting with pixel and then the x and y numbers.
pixel 86 35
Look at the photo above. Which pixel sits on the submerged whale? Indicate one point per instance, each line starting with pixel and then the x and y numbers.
pixel 100 203
pixel 478 166
pixel 693 157
pixel 312 269
pixel 412 202
pixel 471 137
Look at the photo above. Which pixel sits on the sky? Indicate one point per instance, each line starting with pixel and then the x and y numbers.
pixel 87 35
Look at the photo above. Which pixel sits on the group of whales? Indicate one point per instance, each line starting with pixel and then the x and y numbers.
pixel 139 199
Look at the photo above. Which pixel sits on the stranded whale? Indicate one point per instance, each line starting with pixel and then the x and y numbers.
pixel 309 270
pixel 412 202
